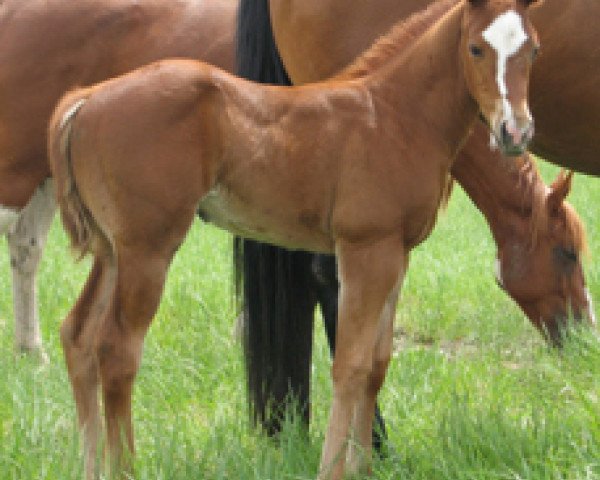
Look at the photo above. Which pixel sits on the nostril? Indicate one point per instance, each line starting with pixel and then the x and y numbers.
pixel 504 133
pixel 511 134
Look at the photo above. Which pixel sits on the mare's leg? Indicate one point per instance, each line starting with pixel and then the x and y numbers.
pixel 26 242
pixel 327 289
pixel 369 275
pixel 78 333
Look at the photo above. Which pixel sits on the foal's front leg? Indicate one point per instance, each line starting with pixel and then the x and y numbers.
pixel 359 451
pixel 327 289
pixel 369 274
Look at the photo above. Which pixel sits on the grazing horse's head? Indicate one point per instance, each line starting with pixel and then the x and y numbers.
pixel 498 47
pixel 544 274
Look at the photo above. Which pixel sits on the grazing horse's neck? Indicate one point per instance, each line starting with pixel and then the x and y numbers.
pixel 425 85
pixel 502 189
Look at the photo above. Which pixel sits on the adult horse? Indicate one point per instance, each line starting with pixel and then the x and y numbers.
pixel 51 46
pixel 357 165
pixel 281 288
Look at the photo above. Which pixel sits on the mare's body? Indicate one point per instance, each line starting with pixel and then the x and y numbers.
pixel 356 165
pixel 51 46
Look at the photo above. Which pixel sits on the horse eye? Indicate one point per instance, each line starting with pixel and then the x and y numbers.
pixel 570 254
pixel 476 51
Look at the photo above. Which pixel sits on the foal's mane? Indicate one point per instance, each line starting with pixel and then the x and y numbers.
pixel 396 40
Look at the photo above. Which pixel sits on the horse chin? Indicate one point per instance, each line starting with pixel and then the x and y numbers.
pixel 502 141
pixel 510 149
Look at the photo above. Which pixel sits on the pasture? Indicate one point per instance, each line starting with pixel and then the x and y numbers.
pixel 472 392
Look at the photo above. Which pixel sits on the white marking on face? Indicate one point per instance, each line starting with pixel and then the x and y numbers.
pixel 498 272
pixel 588 298
pixel 8 219
pixel 506 36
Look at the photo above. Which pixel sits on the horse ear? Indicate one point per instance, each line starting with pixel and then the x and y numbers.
pixel 559 190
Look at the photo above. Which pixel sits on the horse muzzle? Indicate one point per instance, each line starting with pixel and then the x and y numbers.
pixel 513 139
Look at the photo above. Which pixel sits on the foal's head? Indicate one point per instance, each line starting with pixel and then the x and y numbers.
pixel 543 272
pixel 498 47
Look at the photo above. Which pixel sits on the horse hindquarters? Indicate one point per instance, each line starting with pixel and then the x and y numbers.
pixel 103 335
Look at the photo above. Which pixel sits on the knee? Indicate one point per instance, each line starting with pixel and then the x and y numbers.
pixel 25 254
pixel 360 374
pixel 350 376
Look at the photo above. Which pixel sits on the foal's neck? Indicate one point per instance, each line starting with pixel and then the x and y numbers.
pixel 425 86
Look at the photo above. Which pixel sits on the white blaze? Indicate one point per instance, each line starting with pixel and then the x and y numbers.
pixel 506 36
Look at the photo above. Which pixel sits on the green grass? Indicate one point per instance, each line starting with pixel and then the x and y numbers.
pixel 472 392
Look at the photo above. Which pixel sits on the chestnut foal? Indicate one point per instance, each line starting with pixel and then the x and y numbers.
pixel 357 167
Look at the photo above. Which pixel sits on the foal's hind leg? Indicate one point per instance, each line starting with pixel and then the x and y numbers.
pixel 26 242
pixel 369 275
pixel 139 284
pixel 78 333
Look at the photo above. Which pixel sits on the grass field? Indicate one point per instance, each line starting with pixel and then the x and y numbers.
pixel 472 393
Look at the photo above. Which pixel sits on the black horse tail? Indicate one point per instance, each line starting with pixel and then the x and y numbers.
pixel 275 285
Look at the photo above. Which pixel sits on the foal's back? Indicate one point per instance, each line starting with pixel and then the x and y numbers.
pixel 264 162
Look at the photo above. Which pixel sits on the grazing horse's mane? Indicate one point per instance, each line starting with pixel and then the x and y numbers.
pixel 576 226
pixel 396 40
pixel 535 189
pixel 530 182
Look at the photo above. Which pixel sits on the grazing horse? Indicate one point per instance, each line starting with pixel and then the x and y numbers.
pixel 538 255
pixel 357 165
pixel 50 46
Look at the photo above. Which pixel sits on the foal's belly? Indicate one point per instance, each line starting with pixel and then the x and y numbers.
pixel 265 223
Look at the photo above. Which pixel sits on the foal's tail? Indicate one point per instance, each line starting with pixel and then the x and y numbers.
pixel 76 218
pixel 277 296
